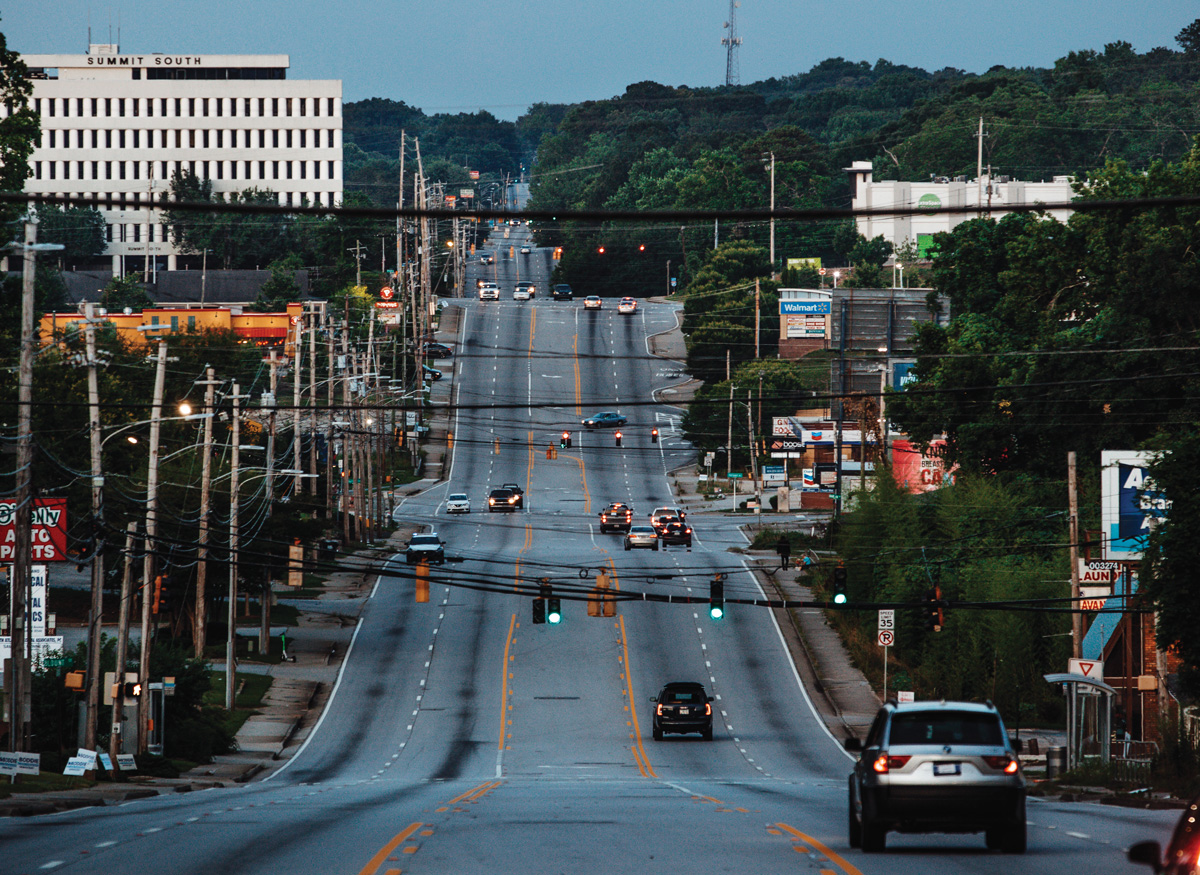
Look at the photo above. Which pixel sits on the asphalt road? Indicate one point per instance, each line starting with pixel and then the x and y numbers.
pixel 464 738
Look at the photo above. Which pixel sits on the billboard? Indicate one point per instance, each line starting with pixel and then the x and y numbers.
pixel 48 535
pixel 1130 506
pixel 917 472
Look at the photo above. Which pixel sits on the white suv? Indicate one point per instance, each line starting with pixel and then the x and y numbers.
pixel 489 292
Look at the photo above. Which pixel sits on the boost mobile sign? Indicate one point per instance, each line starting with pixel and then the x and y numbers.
pixel 1130 505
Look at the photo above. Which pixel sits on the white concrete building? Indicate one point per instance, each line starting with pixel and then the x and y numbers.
pixel 943 192
pixel 115 124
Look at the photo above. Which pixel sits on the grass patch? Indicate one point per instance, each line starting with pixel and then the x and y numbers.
pixel 41 783
pixel 248 695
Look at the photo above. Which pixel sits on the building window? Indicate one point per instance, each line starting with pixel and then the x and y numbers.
pixel 191 139
pixel 331 106
pixel 174 323
pixel 262 139
pixel 95 104
pixel 95 170
pixel 137 72
pixel 108 232
pixel 165 173
pixel 137 232
pixel 288 170
pixel 247 169
pixel 288 111
pixel 303 105
pixel 153 320
pixel 191 107
pixel 136 138
pixel 162 106
pixel 37 169
pixel 274 170
pixel 204 139
pixel 316 106
pixel 51 164
pixel 108 107
pixel 220 169
pixel 204 106
pixel 262 169
pixel 303 166
pixel 192 167
pixel 108 170
pixel 220 101
pixel 330 138
pixel 262 107
pixel 66 106
pixel 121 139
pixel 246 107
pixel 121 107
pixel 136 103
pixel 149 106
pixel 50 137
pixel 316 170
pixel 191 323
pixel 204 169
pixel 331 176
pixel 80 166
pixel 219 138
pixel 233 170
pixel 274 106
pixel 274 139
pixel 50 106
pixel 178 106
pixel 288 138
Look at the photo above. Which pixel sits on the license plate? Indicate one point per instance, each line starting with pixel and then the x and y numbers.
pixel 684 711
pixel 946 769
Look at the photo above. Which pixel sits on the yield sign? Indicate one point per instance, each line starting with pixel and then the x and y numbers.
pixel 1093 669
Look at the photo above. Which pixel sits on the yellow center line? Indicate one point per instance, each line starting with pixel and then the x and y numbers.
pixel 833 856
pixel 373 866
pixel 637 732
pixel 512 624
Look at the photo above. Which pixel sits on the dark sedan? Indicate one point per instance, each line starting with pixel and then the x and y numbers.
pixel 608 419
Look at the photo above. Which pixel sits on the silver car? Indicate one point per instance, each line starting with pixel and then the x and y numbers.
pixel 641 536
pixel 936 767
pixel 458 503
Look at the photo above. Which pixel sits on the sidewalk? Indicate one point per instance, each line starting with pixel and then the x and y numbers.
pixel 289 711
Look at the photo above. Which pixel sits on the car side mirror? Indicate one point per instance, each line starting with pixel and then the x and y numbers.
pixel 852 744
pixel 654 698
pixel 1149 853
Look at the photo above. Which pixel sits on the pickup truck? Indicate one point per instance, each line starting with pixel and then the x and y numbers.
pixel 616 517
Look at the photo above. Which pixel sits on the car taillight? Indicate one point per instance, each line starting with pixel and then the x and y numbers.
pixel 884 763
pixel 708 709
pixel 659 711
pixel 1007 763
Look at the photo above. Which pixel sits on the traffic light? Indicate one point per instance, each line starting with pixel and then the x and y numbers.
pixel 839 584
pixel 618 437
pixel 541 603
pixel 716 597
pixel 553 610
pixel 132 689
pixel 654 435
pixel 600 250
pixel 934 618
pixel 565 440
pixel 641 247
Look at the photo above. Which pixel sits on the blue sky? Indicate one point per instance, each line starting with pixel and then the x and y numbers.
pixel 463 55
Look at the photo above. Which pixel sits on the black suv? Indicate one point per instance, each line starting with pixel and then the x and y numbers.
pixel 562 292
pixel 937 767
pixel 676 532
pixel 683 706
pixel 517 491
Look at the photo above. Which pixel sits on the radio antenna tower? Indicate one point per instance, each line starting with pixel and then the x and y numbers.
pixel 731 43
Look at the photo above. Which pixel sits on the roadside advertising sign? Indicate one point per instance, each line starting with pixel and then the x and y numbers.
pixel 1130 506
pixel 917 472
pixel 48 535
pixel 774 474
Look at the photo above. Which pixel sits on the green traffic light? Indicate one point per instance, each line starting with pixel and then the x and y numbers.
pixel 839 598
pixel 716 612
pixel 554 617
pixel 553 611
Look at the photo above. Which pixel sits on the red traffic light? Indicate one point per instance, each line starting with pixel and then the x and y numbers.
pixel 601 250
pixel 641 247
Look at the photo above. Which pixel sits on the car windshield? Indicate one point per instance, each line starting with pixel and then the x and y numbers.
pixel 945 727
pixel 683 697
pixel 458 496
pixel 424 541
pixel 641 530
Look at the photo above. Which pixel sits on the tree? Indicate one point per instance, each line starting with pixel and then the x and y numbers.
pixel 125 291
pixel 1189 37
pixel 282 288
pixel 81 231
pixel 19 129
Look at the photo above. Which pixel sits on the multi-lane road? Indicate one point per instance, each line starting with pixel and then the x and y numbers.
pixel 464 738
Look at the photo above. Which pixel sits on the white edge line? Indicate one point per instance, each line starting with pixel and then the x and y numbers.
pixel 457 380
pixel 328 704
pixel 800 683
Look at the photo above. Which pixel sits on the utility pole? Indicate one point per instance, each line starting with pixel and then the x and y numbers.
pixel 148 563
pixel 979 170
pixel 203 275
pixel 97 529
pixel 264 612
pixel 357 249
pixel 753 451
pixel 312 397
pixel 297 384
pixel 114 743
pixel 234 501
pixel 772 214
pixel 347 434
pixel 21 649
pixel 330 504
pixel 200 636
pixel 757 320
pixel 1073 511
